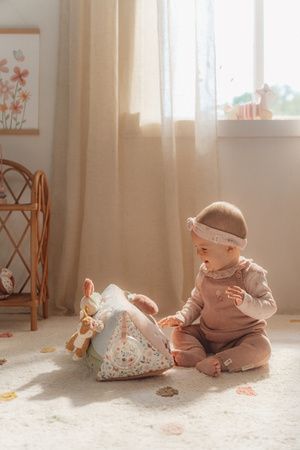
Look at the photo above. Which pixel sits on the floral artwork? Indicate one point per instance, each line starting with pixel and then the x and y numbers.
pixel 19 56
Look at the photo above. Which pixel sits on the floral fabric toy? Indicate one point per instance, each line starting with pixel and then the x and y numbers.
pixel 130 345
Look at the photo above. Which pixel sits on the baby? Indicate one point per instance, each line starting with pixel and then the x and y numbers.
pixel 231 297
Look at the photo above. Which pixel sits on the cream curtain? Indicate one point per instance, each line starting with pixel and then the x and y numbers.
pixel 134 148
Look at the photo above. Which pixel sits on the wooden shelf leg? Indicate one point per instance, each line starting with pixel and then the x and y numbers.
pixel 34 317
pixel 45 309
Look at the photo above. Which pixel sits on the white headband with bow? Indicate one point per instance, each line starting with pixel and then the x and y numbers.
pixel 214 235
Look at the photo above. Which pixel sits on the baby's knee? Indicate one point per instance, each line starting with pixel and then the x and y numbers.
pixel 177 336
pixel 259 351
pixel 262 346
pixel 185 337
pixel 265 350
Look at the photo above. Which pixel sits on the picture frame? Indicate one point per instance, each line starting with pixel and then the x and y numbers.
pixel 19 81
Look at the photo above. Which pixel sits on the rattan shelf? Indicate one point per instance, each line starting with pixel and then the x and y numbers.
pixel 25 224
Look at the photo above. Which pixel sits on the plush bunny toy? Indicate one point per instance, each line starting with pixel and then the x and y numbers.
pixel 91 302
pixel 86 329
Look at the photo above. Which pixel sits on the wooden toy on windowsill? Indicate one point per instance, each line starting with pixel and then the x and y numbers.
pixel 257 110
pixel 3 200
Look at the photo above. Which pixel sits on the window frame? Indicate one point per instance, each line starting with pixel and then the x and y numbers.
pixel 285 127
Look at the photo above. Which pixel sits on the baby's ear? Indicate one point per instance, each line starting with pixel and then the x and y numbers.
pixel 231 249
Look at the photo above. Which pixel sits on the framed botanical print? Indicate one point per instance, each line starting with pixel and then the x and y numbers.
pixel 19 80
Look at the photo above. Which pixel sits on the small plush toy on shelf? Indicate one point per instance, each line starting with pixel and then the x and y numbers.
pixel 7 283
pixel 259 109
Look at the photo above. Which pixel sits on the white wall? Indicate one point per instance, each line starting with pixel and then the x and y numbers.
pixel 261 175
pixel 35 151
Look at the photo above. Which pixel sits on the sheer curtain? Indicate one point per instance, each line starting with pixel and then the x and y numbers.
pixel 135 148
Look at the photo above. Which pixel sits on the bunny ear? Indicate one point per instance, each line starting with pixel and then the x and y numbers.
pixel 88 287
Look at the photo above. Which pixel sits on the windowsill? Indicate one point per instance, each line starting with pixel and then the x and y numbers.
pixel 258 128
pixel 285 128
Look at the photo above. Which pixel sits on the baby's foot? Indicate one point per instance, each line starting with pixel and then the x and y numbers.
pixel 210 366
pixel 186 358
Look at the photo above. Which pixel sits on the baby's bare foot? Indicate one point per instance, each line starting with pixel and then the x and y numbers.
pixel 210 366
pixel 186 358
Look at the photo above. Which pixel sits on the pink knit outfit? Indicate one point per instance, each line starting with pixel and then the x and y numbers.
pixel 235 334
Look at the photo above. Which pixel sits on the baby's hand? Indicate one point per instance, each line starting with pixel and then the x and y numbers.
pixel 236 293
pixel 170 321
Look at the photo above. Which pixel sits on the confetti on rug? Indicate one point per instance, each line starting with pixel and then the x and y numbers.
pixel 7 396
pixel 246 390
pixel 294 320
pixel 6 335
pixel 56 393
pixel 172 429
pixel 167 391
pixel 2 361
pixel 48 350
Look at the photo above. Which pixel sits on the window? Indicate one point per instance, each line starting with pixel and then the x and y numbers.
pixel 257 41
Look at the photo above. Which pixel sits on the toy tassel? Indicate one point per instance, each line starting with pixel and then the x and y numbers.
pixel 3 200
pixel 124 329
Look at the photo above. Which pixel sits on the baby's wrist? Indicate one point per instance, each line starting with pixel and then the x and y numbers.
pixel 180 317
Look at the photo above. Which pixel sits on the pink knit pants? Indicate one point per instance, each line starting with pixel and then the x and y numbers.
pixel 235 355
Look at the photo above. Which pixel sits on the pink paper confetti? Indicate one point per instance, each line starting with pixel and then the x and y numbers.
pixel 6 335
pixel 172 429
pixel 246 390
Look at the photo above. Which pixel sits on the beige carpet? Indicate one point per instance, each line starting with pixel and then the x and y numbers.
pixel 58 405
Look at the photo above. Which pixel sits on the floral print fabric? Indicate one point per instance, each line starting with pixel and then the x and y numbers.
pixel 134 357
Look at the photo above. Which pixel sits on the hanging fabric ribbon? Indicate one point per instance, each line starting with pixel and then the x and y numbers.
pixel 124 328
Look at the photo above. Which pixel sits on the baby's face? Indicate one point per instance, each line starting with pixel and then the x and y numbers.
pixel 215 256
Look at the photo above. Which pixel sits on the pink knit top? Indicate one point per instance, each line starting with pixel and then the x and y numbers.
pixel 219 314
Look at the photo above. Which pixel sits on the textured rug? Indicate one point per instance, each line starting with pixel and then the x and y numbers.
pixel 48 401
